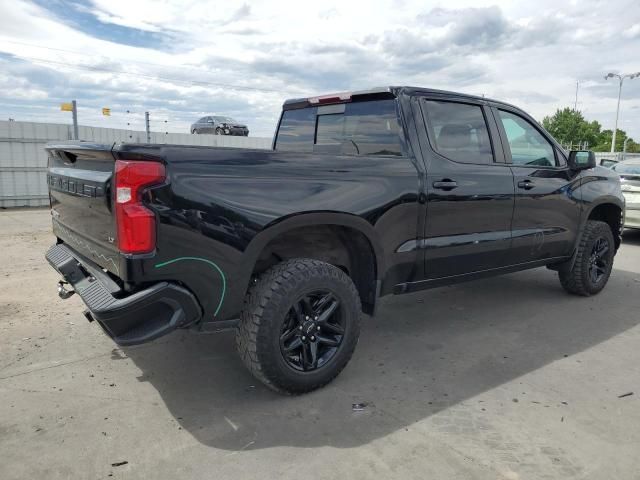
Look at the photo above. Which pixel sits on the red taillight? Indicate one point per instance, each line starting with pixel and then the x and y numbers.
pixel 136 223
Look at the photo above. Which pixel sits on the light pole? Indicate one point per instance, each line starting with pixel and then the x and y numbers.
pixel 624 148
pixel 620 78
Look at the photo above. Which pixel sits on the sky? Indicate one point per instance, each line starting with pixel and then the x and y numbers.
pixel 181 60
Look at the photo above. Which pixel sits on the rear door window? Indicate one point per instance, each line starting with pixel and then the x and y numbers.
pixel 459 131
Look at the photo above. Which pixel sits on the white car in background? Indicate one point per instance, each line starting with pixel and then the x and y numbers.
pixel 629 172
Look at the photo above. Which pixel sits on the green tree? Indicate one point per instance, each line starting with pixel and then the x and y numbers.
pixel 569 127
pixel 604 142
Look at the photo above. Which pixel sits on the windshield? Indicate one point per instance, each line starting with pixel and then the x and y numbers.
pixel 628 168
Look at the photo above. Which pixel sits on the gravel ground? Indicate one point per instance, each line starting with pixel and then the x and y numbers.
pixel 504 378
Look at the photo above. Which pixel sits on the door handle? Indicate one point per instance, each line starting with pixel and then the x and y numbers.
pixel 445 184
pixel 526 184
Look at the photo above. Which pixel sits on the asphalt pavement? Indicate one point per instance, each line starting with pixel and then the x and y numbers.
pixel 503 378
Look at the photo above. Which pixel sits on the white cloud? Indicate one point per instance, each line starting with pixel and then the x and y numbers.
pixel 632 32
pixel 530 54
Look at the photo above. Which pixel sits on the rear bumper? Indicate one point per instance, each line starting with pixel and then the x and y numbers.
pixel 128 319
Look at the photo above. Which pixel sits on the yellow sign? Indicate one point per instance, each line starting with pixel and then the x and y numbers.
pixel 66 107
pixel 106 112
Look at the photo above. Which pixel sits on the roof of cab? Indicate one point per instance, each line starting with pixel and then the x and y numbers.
pixel 380 92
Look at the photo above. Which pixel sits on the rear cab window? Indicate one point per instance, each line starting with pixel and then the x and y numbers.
pixel 358 128
pixel 297 130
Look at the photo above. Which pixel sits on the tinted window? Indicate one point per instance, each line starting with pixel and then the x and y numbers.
pixel 365 128
pixel 362 128
pixel 527 145
pixel 627 168
pixel 202 120
pixel 296 131
pixel 459 132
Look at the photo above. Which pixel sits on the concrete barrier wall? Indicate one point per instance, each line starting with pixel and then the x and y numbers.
pixel 23 160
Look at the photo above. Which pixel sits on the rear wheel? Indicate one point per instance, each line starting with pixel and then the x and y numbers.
pixel 299 325
pixel 593 262
pixel 194 132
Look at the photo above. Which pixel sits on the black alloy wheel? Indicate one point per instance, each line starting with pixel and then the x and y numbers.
pixel 312 331
pixel 589 271
pixel 299 325
pixel 599 260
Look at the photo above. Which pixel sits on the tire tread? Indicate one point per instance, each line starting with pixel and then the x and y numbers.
pixel 573 280
pixel 256 319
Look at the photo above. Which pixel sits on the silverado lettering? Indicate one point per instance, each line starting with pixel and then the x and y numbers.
pixel 65 184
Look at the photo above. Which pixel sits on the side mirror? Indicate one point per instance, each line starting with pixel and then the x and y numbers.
pixel 606 162
pixel 581 159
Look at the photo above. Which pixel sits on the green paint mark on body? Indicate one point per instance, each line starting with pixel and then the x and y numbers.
pixel 209 262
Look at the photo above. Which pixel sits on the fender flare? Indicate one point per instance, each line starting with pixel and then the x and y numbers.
pixel 605 199
pixel 601 201
pixel 309 219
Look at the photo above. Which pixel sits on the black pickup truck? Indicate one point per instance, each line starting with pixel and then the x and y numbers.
pixel 364 194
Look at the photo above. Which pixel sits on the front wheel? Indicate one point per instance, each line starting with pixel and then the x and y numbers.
pixel 219 131
pixel 593 263
pixel 299 325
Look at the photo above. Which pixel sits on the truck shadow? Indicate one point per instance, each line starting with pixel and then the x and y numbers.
pixel 422 354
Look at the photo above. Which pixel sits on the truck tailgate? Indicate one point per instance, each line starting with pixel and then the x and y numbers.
pixel 79 179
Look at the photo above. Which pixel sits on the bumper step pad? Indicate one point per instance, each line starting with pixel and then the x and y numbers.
pixel 128 319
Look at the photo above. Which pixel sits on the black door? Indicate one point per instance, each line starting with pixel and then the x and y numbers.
pixel 470 192
pixel 546 213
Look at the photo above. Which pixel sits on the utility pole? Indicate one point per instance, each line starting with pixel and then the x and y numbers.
pixel 615 130
pixel 147 127
pixel 575 105
pixel 620 80
pixel 624 148
pixel 74 114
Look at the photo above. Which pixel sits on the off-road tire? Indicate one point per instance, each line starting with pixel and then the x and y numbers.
pixel 265 308
pixel 577 280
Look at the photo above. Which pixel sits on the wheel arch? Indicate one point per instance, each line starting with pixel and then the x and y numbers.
pixel 611 211
pixel 336 235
